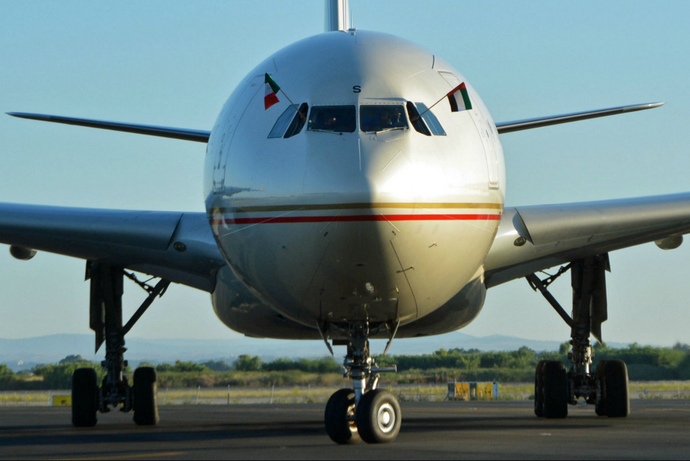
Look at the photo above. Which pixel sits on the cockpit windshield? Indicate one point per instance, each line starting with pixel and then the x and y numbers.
pixel 337 119
pixel 382 118
pixel 290 122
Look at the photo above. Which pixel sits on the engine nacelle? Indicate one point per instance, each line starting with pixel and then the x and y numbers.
pixel 22 253
pixel 670 243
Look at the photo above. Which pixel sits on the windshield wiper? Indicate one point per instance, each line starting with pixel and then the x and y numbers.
pixel 317 130
pixel 392 128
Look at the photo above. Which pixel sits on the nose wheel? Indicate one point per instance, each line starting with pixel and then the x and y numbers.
pixel 378 417
pixel 340 417
pixel 375 419
pixel 363 412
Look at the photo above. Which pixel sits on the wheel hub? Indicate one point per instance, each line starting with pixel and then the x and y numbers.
pixel 386 418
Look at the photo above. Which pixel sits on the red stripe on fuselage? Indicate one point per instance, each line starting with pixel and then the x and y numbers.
pixel 359 218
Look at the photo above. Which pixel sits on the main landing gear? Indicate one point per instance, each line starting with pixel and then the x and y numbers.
pixel 363 412
pixel 554 386
pixel 106 321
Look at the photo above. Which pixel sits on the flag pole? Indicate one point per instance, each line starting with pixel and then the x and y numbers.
pixel 451 92
pixel 275 86
pixel 293 104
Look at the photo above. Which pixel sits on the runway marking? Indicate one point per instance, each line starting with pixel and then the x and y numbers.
pixel 134 456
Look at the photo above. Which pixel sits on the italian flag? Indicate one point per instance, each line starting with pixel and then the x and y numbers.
pixel 272 88
pixel 462 103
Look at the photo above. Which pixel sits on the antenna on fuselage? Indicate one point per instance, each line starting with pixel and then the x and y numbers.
pixel 337 15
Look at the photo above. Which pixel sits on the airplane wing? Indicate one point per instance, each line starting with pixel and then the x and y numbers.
pixel 534 238
pixel 176 246
pixel 150 130
pixel 527 124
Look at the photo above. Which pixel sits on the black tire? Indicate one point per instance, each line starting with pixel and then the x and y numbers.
pixel 84 397
pixel 378 417
pixel 539 389
pixel 617 399
pixel 600 406
pixel 555 386
pixel 339 417
pixel 144 398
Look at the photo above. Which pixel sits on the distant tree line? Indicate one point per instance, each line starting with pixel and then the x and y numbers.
pixel 645 363
pixel 323 365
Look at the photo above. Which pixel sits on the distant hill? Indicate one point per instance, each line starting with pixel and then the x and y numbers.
pixel 22 354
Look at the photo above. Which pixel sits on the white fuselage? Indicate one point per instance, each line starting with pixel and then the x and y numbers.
pixel 332 226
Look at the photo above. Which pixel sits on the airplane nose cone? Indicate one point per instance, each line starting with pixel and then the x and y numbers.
pixel 373 234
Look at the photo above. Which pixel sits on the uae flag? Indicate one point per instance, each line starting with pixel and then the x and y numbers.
pixel 459 99
pixel 272 88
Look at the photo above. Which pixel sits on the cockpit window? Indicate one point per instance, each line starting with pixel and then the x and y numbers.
pixel 290 122
pixel 338 119
pixel 298 122
pixel 382 118
pixel 416 119
pixel 423 120
pixel 282 123
pixel 431 120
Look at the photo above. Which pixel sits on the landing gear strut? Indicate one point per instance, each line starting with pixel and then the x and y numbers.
pixel 554 387
pixel 106 321
pixel 363 412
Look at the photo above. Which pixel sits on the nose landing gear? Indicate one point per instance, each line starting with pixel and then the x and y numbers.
pixel 363 412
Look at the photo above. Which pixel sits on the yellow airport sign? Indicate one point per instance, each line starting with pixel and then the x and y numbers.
pixel 61 400
pixel 472 391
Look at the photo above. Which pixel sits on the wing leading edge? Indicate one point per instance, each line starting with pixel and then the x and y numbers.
pixel 150 130
pixel 527 124
pixel 534 238
pixel 175 246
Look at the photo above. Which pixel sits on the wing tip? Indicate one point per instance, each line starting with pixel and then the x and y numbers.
pixel 29 115
pixel 649 105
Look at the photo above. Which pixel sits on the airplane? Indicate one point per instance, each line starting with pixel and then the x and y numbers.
pixel 388 224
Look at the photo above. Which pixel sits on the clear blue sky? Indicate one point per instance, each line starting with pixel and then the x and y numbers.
pixel 174 63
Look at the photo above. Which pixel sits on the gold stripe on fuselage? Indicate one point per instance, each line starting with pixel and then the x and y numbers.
pixel 358 206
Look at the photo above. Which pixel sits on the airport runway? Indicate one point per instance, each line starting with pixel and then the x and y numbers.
pixel 474 430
